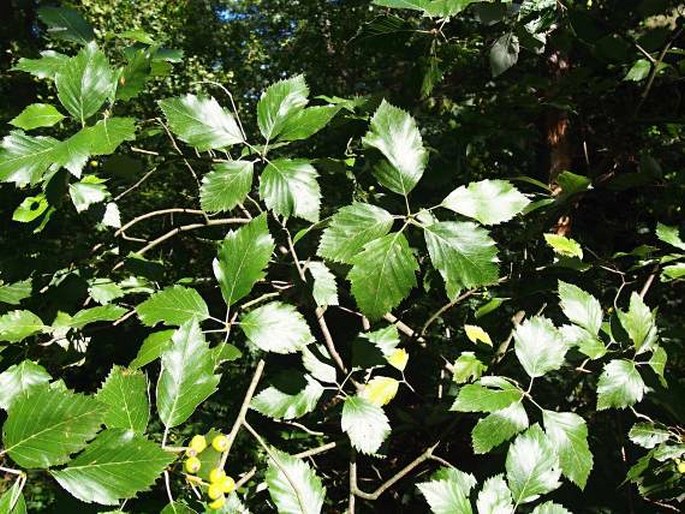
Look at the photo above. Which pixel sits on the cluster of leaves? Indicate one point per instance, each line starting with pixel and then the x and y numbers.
pixel 371 256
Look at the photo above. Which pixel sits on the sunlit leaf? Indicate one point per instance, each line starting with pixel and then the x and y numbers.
pixel 125 394
pixel 532 466
pixel 187 376
pixel 117 465
pixel 394 133
pixel 488 201
pixel 46 425
pixel 293 485
pixel 365 423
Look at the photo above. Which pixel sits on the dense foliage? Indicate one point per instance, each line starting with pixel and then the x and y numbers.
pixel 342 256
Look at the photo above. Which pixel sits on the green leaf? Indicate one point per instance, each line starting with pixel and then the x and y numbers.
pixel 153 346
pixel 66 24
pixel 103 138
pixel 107 134
pixel 564 246
pixel 673 272
pixel 14 293
pixel 187 377
pixel 46 67
pixel 134 75
pixel 620 385
pixel 117 465
pixel 30 209
pixel 37 115
pixel 489 395
pixel 124 392
pixel 45 425
pixel 24 159
pixel 350 229
pixel 504 53
pixel 365 423
pixel 648 435
pixel 289 188
pixel 580 307
pixel 669 235
pixel 276 404
pixel 448 491
pixel 90 190
pixel 325 289
pixel 104 290
pixel 18 325
pixel 383 274
pixel 586 343
pixel 243 255
pixel 572 184
pixel 414 5
pixel 500 426
pixel 467 368
pixel 226 186
pixel 658 361
pixel 463 253
pixel 293 486
pixel 173 306
pixel 640 324
pixel 276 327
pixel 225 352
pixel 95 314
pixel 85 82
pixel 279 104
pixel 12 501
pixel 532 466
pixel 19 378
pixel 489 201
pixel 638 71
pixel 568 434
pixel 179 508
pixel 550 508
pixel 539 346
pixel 394 133
pixel 320 370
pixel 495 497
pixel 201 122
pixel 307 122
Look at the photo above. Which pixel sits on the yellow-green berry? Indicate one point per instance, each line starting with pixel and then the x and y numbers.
pixel 227 485
pixel 192 465
pixel 214 491
pixel 217 475
pixel 198 443
pixel 220 443
pixel 218 503
pixel 681 467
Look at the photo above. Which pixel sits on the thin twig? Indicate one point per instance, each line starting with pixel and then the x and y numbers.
pixel 152 214
pixel 404 328
pixel 136 185
pixel 395 478
pixel 243 411
pixel 178 150
pixel 445 308
pixel 184 228
pixel 243 479
pixel 277 463
pixel 316 451
pixel 328 339
pixel 649 281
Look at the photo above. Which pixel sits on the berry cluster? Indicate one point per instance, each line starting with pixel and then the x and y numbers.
pixel 219 483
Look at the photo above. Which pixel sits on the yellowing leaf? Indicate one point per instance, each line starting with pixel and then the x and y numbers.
pixel 475 334
pixel 380 390
pixel 564 245
pixel 398 359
